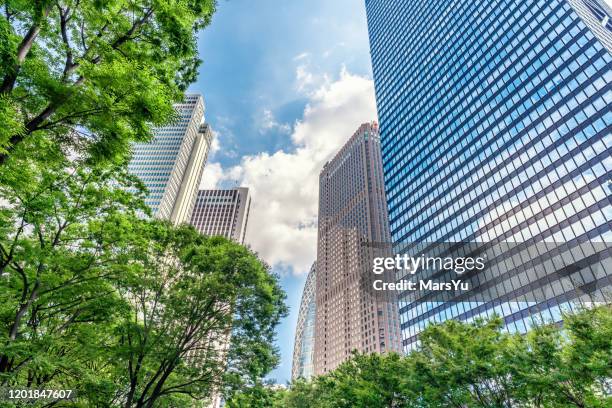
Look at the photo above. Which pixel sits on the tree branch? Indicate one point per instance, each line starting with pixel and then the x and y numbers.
pixel 22 52
pixel 64 19
pixel 36 123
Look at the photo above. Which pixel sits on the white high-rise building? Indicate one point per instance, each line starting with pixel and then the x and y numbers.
pixel 222 212
pixel 171 165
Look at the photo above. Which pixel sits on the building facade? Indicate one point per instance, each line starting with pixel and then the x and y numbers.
pixel 171 165
pixel 222 212
pixel 352 215
pixel 495 126
pixel 303 347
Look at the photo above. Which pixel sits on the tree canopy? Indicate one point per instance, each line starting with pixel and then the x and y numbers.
pixel 95 296
pixel 110 69
pixel 126 310
pixel 476 364
pixel 201 306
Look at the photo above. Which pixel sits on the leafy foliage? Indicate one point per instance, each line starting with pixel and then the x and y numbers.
pixel 469 365
pixel 192 297
pixel 111 69
pixel 62 227
pixel 126 310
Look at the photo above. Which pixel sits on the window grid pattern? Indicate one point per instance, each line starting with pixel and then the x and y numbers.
pixel 161 163
pixel 303 349
pixel 222 213
pixel 495 126
pixel 352 211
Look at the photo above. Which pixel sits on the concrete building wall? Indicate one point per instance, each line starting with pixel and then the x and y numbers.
pixel 223 212
pixel 352 214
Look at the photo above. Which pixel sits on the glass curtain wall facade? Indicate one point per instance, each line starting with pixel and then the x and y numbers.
pixel 171 165
pixel 303 349
pixel 495 126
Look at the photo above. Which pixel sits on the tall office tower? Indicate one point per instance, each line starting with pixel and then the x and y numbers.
pixel 495 126
pixel 303 347
pixel 352 217
pixel 171 165
pixel 222 212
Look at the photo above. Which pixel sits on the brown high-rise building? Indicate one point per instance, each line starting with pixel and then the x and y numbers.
pixel 352 219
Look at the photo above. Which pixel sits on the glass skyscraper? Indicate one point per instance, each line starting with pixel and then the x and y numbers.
pixel 171 165
pixel 495 126
pixel 303 347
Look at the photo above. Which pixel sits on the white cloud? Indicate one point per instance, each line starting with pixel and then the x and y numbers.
pixel 301 56
pixel 223 136
pixel 284 184
pixel 213 173
pixel 215 145
pixel 308 80
pixel 303 78
pixel 266 122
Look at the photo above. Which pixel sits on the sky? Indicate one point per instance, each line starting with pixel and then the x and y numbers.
pixel 286 83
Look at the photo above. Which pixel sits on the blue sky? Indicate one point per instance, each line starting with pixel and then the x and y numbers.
pixel 286 83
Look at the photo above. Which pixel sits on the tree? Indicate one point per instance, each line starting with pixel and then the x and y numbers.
pixel 110 69
pixel 475 364
pixel 64 229
pixel 261 395
pixel 366 380
pixel 465 364
pixel 126 310
pixel 200 305
pixel 570 367
pixel 302 394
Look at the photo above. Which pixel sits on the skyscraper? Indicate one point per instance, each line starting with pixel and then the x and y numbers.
pixel 495 126
pixel 171 165
pixel 303 348
pixel 352 214
pixel 222 212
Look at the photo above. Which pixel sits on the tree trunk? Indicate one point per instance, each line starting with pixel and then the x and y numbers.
pixel 31 126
